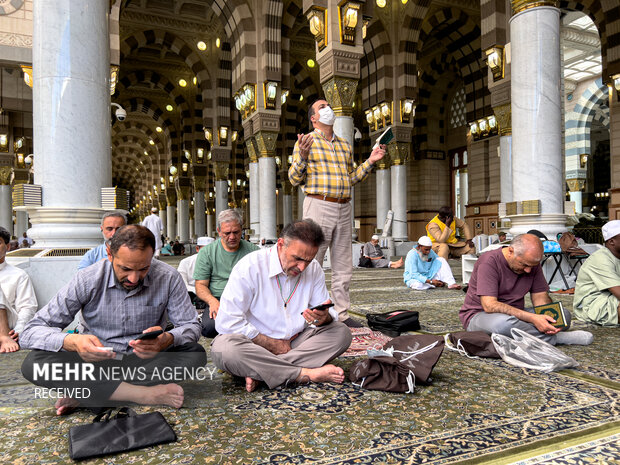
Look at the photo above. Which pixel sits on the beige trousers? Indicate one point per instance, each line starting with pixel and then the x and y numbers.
pixel 335 221
pixel 313 348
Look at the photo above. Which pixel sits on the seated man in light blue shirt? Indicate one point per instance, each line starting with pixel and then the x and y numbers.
pixel 121 300
pixel 110 222
pixel 424 269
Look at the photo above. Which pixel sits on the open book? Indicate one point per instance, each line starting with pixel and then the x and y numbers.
pixel 555 310
pixel 384 138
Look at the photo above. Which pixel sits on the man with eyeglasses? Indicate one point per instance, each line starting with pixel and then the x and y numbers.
pixel 495 301
pixel 215 262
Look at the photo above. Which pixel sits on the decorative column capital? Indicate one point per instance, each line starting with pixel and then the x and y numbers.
pixel 266 141
pixel 200 183
pixel 521 5
pixel 161 202
pixel 171 197
pixel 340 93
pixel 399 152
pixel 5 175
pixel 250 144
pixel 220 168
pixel 503 114
pixel 575 185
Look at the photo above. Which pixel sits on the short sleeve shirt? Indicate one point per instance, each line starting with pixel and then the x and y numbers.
pixel 215 264
pixel 493 277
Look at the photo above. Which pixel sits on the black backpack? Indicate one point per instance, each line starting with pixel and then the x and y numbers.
pixel 395 322
pixel 364 262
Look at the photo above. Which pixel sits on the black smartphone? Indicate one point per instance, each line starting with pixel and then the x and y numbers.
pixel 149 335
pixel 322 306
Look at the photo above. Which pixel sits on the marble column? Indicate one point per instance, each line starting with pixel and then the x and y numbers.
pixel 463 190
pixel 221 197
pixel 383 179
pixel 266 143
pixel 183 220
pixel 199 214
pixel 163 214
pixel 300 202
pixel 577 198
pixel 254 193
pixel 6 201
pixel 21 223
pixel 171 225
pixel 210 224
pixel 71 99
pixel 503 117
pixel 399 201
pixel 287 205
pixel 192 226
pixel 537 116
pixel 575 186
pixel 267 192
pixel 221 186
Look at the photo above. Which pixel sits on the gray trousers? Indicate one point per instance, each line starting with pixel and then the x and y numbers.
pixel 500 323
pixel 313 348
pixel 335 222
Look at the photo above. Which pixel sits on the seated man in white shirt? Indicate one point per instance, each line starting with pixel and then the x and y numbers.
pixel 267 331
pixel 20 303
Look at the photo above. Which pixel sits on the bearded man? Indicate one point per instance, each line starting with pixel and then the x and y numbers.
pixel 424 269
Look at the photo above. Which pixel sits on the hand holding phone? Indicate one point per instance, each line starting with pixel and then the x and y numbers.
pixel 149 335
pixel 322 306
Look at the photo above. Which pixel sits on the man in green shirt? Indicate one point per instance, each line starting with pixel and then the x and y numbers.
pixel 215 262
pixel 597 293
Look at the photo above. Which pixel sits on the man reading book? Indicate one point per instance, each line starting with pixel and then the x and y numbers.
pixel 495 301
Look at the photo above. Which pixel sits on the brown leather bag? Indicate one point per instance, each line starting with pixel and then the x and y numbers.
pixel 569 245
pixel 472 344
pixel 406 361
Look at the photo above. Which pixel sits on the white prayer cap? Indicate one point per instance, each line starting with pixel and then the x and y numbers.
pixel 154 209
pixel 611 229
pixel 204 240
pixel 425 241
pixel 375 237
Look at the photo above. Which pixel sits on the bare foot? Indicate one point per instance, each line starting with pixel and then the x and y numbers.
pixel 7 344
pixel 324 374
pixel 161 394
pixel 454 286
pixel 250 384
pixel 165 394
pixel 66 405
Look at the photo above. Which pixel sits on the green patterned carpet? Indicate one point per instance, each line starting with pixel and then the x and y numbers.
pixel 474 411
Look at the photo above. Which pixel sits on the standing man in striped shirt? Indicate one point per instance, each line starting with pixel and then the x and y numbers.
pixel 324 162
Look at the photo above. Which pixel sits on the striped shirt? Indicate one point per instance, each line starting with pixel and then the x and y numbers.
pixel 329 168
pixel 112 313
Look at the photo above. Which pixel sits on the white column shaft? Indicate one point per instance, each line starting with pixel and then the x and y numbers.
pixel 536 108
pixel 171 223
pixel 287 209
pixel 183 219
pixel 300 202
pixel 221 197
pixel 163 216
pixel 399 202
pixel 344 127
pixel 6 208
pixel 71 119
pixel 254 202
pixel 578 199
pixel 383 195
pixel 21 223
pixel 71 101
pixel 199 214
pixel 505 168
pixel 210 227
pixel 463 192
pixel 267 180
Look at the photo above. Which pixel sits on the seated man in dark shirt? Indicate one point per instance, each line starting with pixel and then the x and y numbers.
pixel 495 301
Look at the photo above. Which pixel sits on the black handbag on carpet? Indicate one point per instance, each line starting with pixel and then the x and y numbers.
pixel 395 322
pixel 122 432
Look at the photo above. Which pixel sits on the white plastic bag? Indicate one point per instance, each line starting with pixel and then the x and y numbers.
pixel 527 351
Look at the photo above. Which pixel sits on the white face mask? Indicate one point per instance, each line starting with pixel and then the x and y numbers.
pixel 327 116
